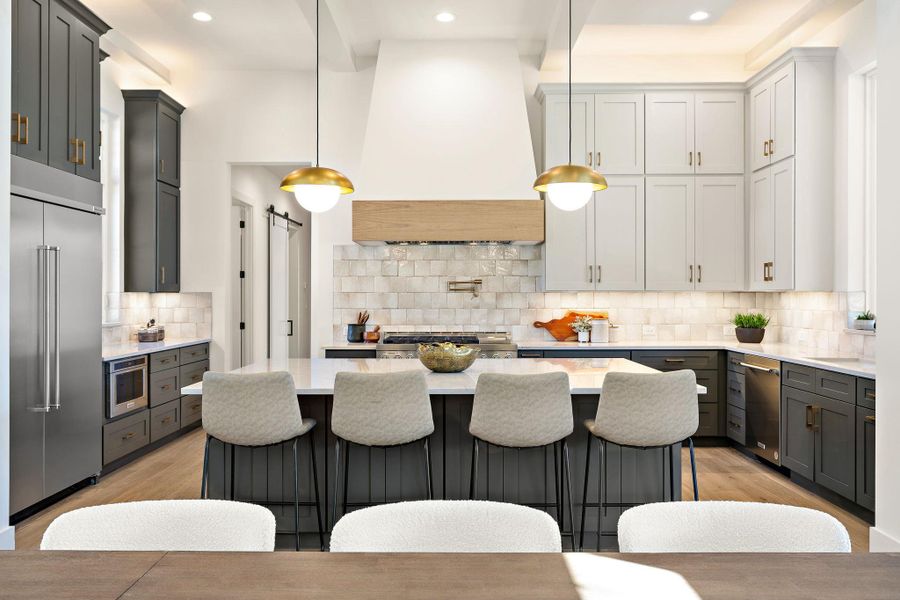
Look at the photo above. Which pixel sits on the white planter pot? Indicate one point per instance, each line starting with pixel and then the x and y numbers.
pixel 864 325
pixel 584 336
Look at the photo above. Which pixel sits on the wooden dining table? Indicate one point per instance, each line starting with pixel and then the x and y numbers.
pixel 249 576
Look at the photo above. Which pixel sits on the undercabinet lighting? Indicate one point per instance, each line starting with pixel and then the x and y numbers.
pixel 445 17
pixel 700 15
pixel 203 17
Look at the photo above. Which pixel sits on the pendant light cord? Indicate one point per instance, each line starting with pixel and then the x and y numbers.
pixel 317 88
pixel 570 82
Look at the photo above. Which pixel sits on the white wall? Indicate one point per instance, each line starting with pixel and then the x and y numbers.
pixel 886 533
pixel 854 35
pixel 7 539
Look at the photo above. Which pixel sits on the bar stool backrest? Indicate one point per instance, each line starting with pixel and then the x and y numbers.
pixel 522 411
pixel 647 409
pixel 250 409
pixel 381 409
pixel 164 525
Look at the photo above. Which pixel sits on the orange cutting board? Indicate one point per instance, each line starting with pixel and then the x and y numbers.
pixel 561 329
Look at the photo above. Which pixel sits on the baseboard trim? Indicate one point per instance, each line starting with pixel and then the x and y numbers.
pixel 879 541
pixel 8 538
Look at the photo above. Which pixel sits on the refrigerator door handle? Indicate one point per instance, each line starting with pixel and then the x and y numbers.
pixel 44 263
pixel 56 251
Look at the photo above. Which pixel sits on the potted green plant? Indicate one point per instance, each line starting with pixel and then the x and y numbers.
pixel 582 326
pixel 750 328
pixel 865 321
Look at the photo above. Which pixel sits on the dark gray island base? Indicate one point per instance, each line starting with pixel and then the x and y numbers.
pixel 395 474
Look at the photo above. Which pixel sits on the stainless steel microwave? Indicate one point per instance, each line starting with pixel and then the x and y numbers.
pixel 126 386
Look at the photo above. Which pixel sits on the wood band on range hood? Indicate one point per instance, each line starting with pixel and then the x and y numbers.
pixel 381 221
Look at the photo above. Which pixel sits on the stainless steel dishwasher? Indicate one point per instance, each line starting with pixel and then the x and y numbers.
pixel 762 380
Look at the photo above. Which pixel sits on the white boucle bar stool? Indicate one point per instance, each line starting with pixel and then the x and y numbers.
pixel 716 526
pixel 446 526
pixel 526 411
pixel 164 525
pixel 646 411
pixel 379 410
pixel 257 410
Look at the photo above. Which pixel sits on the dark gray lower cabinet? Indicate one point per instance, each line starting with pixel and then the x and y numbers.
pixel 125 436
pixel 797 435
pixel 165 420
pixel 191 410
pixel 835 461
pixel 735 424
pixel 393 474
pixel 865 457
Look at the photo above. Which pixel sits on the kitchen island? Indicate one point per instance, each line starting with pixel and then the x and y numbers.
pixel 394 474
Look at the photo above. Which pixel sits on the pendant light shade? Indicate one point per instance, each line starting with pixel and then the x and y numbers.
pixel 317 188
pixel 570 187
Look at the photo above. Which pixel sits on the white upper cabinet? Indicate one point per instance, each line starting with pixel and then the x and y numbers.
pixel 772 228
pixel 670 133
pixel 719 233
pixel 619 234
pixel 670 233
pixel 772 118
pixel 719 132
pixel 619 134
pixel 569 235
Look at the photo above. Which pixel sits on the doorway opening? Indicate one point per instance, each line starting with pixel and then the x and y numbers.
pixel 289 320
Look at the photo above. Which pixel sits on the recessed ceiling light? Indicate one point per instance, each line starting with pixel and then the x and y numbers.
pixel 203 17
pixel 700 15
pixel 445 17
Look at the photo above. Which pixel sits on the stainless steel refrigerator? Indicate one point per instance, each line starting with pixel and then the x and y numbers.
pixel 56 394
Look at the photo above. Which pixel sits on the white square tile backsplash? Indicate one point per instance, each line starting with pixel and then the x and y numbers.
pixel 404 288
pixel 186 315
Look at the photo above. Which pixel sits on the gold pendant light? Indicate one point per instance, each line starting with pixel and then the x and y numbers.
pixel 317 189
pixel 570 187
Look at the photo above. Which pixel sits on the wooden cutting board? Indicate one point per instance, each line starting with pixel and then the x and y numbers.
pixel 561 329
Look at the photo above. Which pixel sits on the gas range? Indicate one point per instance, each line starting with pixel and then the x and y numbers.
pixel 405 344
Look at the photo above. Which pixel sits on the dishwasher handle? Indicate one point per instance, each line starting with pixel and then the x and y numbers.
pixel 758 368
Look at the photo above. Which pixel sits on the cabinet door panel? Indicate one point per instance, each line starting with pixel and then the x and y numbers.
pixel 865 457
pixel 86 52
pixel 782 90
pixel 762 228
pixel 719 133
pixel 619 134
pixel 782 176
pixel 670 133
pixel 760 125
pixel 30 77
pixel 670 233
pixel 62 145
pixel 569 245
pixel 168 225
pixel 719 230
pixel 619 234
pixel 836 446
pixel 168 165
pixel 797 435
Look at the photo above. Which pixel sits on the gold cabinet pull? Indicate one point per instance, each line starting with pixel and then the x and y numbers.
pixel 17 136
pixel 699 159
pixel 810 416
pixel 166 420
pixel 590 162
pixel 699 271
pixel 128 436
pixel 74 143
pixel 83 152
pixel 162 274
pixel 590 274
pixel 771 147
pixel 870 418
pixel 25 123
pixel 691 274
pixel 767 271
pixel 766 148
pixel 690 159
pixel 162 165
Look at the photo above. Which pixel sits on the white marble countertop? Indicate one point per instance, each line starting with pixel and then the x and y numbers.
pixel 850 364
pixel 117 351
pixel 315 376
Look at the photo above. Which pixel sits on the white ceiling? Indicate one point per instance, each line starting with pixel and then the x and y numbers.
pixel 276 34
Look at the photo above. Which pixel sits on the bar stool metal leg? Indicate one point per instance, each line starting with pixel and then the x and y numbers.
pixel 671 473
pixel 296 495
pixel 312 460
pixel 473 476
pixel 587 471
pixel 600 489
pixel 428 480
pixel 557 484
pixel 693 469
pixel 568 474
pixel 337 479
pixel 232 471
pixel 205 476
pixel 346 476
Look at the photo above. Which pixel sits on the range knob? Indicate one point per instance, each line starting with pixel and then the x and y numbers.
pixel 495 355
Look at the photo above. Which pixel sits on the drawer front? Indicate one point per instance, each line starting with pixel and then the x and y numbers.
pixel 668 360
pixel 734 362
pixel 709 380
pixel 164 386
pixel 865 393
pixel 587 353
pixel 798 377
pixel 193 354
pixel 193 373
pixel 350 353
pixel 709 420
pixel 736 390
pixel 522 354
pixel 191 409
pixel 735 425
pixel 836 385
pixel 164 420
pixel 125 436
pixel 164 360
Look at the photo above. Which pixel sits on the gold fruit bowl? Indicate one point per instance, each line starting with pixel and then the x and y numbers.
pixel 447 357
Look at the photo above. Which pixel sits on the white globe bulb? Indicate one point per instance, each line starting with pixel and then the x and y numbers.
pixel 317 198
pixel 569 196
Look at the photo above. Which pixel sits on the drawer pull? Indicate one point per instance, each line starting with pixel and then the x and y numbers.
pixel 870 418
pixel 166 387
pixel 128 435
pixel 870 394
pixel 166 420
pixel 674 360
pixel 810 416
pixel 735 390
pixel 196 407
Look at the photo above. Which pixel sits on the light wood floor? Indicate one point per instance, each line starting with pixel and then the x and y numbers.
pixel 173 471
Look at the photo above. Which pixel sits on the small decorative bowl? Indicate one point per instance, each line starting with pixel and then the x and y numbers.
pixel 447 357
